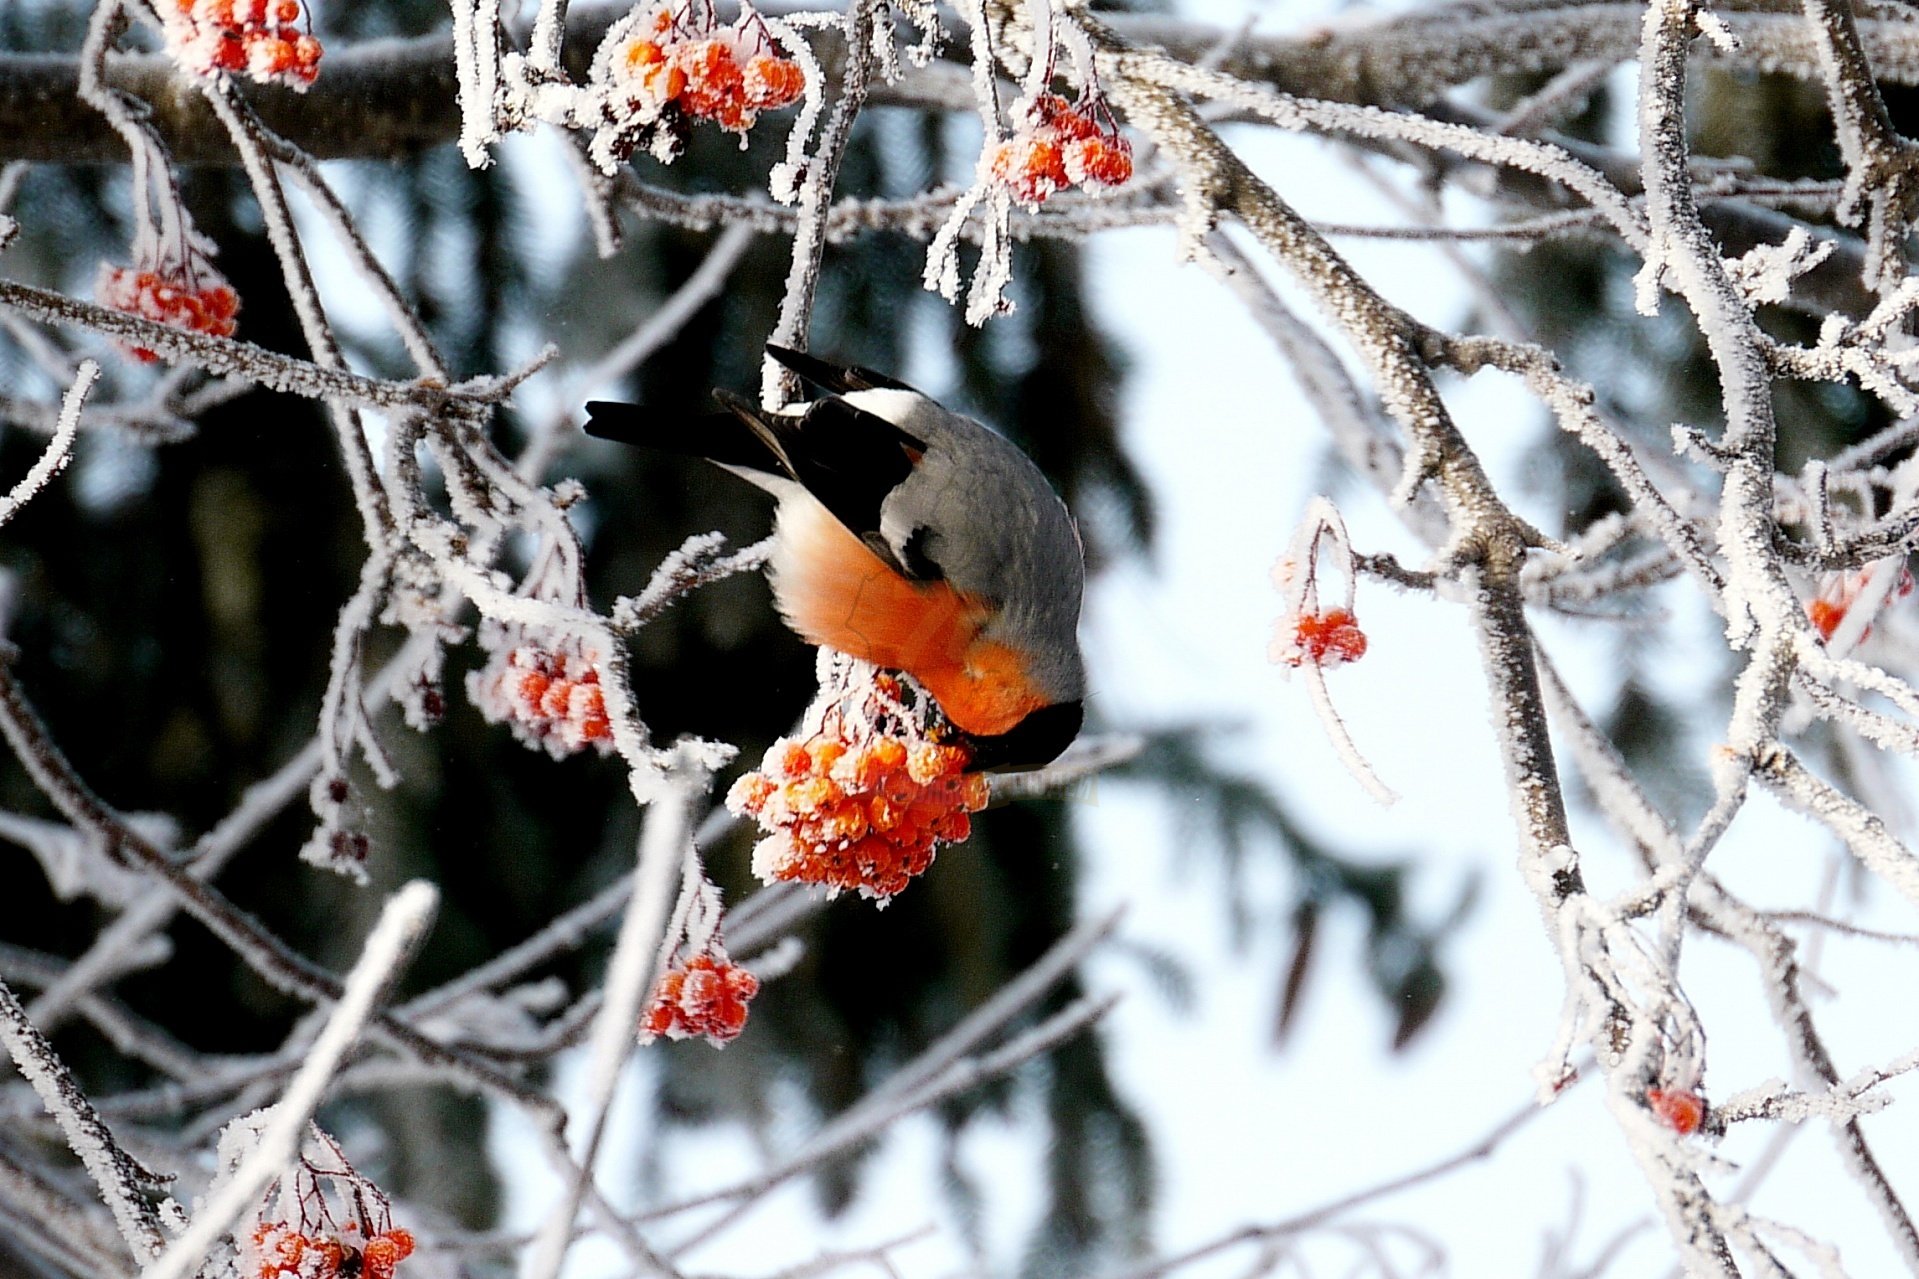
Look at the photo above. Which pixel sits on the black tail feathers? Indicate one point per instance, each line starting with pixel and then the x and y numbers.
pixel 717 437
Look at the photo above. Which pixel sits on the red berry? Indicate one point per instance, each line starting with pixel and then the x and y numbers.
pixel 1049 111
pixel 1099 161
pixel 1825 616
pixel 771 82
pixel 1327 639
pixel 713 78
pixel 1680 1109
pixel 229 54
pixel 1032 167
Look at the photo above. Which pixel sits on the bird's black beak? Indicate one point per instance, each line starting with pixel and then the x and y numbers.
pixel 1035 741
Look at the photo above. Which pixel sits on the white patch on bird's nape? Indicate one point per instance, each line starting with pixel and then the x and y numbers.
pixel 894 405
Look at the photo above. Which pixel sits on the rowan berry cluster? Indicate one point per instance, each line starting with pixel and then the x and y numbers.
pixel 549 695
pixel 1840 591
pixel 1060 145
pixel 1329 638
pixel 280 1251
pixel 323 1220
pixel 188 295
pixel 705 994
pixel 864 814
pixel 258 38
pixel 673 65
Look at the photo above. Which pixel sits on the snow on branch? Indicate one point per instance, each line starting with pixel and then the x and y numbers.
pixel 59 450
pixel 665 848
pixel 122 1182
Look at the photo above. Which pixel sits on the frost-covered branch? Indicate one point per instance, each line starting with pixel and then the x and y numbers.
pixel 251 941
pixel 389 99
pixel 224 357
pixel 664 848
pixel 1880 164
pixel 121 1181
pixel 59 450
pixel 814 196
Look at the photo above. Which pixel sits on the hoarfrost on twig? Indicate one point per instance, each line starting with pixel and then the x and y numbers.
pixel 59 450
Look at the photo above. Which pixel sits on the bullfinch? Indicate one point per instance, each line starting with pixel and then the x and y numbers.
pixel 911 537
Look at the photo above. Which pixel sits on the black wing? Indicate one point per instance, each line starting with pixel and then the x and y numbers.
pixel 837 378
pixel 849 459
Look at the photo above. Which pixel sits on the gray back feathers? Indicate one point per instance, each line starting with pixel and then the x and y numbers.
pixel 979 509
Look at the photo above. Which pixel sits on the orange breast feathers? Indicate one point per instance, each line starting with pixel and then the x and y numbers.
pixel 835 592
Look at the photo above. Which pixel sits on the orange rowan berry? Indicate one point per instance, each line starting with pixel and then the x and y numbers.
pixel 1327 639
pixel 588 699
pixel 258 37
pixel 883 813
pixel 713 78
pixel 533 686
pixel 844 825
pixel 1101 161
pixel 377 1259
pixel 733 116
pixel 1050 110
pixel 794 760
pixel 1033 168
pixel 269 55
pixel 1680 1109
pixel 1825 616
pixel 808 793
pixel 929 762
pixel 750 793
pixel 771 82
pixel 665 81
pixel 332 1252
pixel 551 698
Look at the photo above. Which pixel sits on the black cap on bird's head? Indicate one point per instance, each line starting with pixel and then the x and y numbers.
pixel 1034 742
